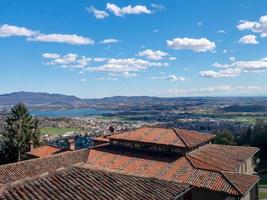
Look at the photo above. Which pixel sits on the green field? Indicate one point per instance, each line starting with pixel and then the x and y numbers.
pixel 56 131
pixel 262 195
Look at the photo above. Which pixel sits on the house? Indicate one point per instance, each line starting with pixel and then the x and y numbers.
pixel 146 163
pixel 47 150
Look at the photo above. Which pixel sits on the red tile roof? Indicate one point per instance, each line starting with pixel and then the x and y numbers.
pixel 161 166
pixel 36 167
pixel 44 151
pixel 221 157
pixel 164 136
pixel 241 181
pixel 84 184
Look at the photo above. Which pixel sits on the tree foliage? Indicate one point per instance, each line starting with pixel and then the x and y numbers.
pixel 225 137
pixel 20 128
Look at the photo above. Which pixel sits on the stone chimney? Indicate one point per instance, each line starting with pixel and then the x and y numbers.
pixel 71 144
pixel 31 145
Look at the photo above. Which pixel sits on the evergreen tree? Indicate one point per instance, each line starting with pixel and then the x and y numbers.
pixel 20 128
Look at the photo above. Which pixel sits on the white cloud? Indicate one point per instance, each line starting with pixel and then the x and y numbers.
pixel 248 39
pixel 232 58
pixel 117 11
pixel 157 7
pixel 9 30
pixel 62 38
pixel 69 60
pixel 109 41
pixel 172 58
pixel 231 72
pixel 217 90
pixel 224 51
pixel 100 59
pixel 83 80
pixel 153 55
pixel 155 30
pixel 171 77
pixel 99 14
pixel 105 79
pixel 197 45
pixel 221 31
pixel 254 26
pixel 127 67
pixel 51 55
pixel 235 68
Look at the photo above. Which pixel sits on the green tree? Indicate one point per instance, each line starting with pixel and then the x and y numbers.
pixel 224 137
pixel 20 128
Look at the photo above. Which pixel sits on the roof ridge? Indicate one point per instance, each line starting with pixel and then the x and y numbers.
pixel 182 139
pixel 219 172
pixel 205 163
pixel 225 176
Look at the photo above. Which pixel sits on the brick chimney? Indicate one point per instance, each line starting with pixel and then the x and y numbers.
pixel 71 144
pixel 31 145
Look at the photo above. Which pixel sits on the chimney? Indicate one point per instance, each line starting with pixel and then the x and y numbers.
pixel 71 144
pixel 31 145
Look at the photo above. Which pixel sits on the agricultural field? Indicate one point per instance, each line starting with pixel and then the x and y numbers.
pixel 57 131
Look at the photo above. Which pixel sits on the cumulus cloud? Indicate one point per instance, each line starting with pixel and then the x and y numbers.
pixel 248 39
pixel 197 45
pixel 69 60
pixel 153 55
pixel 51 55
pixel 9 30
pixel 62 38
pixel 99 14
pixel 117 11
pixel 171 77
pixel 235 68
pixel 126 67
pixel 255 26
pixel 231 72
pixel 217 90
pixel 109 41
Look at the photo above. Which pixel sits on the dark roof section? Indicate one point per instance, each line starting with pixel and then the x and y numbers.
pixel 180 138
pixel 36 167
pixel 44 151
pixel 83 184
pixel 221 157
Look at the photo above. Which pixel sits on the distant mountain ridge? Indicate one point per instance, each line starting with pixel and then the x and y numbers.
pixel 37 98
pixel 41 100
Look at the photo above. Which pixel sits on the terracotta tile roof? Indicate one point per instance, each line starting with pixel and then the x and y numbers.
pixel 44 151
pixel 241 181
pixel 221 157
pixel 35 167
pixel 161 166
pixel 83 184
pixel 164 136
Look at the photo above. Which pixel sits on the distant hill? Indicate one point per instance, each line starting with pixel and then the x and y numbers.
pixel 44 101
pixel 32 98
pixel 246 108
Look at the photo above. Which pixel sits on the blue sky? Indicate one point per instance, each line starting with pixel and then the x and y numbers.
pixel 156 48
